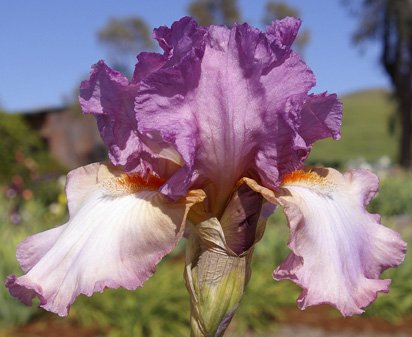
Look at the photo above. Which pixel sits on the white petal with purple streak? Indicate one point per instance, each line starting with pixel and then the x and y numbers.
pixel 339 250
pixel 114 239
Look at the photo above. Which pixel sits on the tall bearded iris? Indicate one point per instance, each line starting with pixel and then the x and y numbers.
pixel 198 140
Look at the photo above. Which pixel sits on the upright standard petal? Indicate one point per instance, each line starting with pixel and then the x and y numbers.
pixel 226 100
pixel 338 249
pixel 240 110
pixel 115 238
pixel 109 96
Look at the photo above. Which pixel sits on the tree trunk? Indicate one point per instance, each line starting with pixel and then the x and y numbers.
pixel 405 148
pixel 397 61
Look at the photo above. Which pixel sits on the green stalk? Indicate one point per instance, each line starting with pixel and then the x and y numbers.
pixel 216 282
pixel 218 262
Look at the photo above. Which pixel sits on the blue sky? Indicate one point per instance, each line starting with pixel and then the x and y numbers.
pixel 48 46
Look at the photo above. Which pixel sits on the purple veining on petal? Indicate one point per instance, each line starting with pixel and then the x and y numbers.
pixel 338 249
pixel 227 100
pixel 237 109
pixel 240 219
pixel 321 117
pixel 113 239
pixel 110 98
pixel 283 33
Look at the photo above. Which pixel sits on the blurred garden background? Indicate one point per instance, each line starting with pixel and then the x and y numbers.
pixel 360 49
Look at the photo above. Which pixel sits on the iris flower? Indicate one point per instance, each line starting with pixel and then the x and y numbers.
pixel 201 136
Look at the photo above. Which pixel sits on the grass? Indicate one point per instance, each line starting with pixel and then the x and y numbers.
pixel 365 131
pixel 35 218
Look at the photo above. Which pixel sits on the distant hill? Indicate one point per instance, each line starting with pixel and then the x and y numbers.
pixel 365 132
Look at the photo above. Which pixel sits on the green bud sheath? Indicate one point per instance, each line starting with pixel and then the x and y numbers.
pixel 216 275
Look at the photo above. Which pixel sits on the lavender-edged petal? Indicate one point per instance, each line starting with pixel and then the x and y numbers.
pixel 338 249
pixel 114 238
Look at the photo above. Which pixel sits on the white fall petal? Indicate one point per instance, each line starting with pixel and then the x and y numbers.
pixel 118 231
pixel 338 249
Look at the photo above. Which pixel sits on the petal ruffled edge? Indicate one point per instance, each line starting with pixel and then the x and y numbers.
pixel 321 117
pixel 115 239
pixel 338 249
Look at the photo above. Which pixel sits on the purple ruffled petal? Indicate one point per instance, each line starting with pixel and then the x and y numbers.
pixel 240 219
pixel 109 96
pixel 234 113
pixel 116 235
pixel 338 249
pixel 227 100
pixel 283 33
pixel 321 117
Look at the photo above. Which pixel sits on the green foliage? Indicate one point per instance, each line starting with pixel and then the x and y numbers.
pixel 25 164
pixel 393 200
pixel 207 12
pixel 35 218
pixel 24 155
pixel 11 311
pixel 17 141
pixel 124 38
pixel 394 197
pixel 365 131
pixel 397 304
pixel 160 309
pixel 127 35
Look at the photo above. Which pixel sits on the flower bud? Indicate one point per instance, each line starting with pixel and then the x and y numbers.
pixel 218 258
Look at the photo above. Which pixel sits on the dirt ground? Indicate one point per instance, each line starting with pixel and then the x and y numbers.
pixel 322 317
pixel 318 322
pixel 305 331
pixel 313 322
